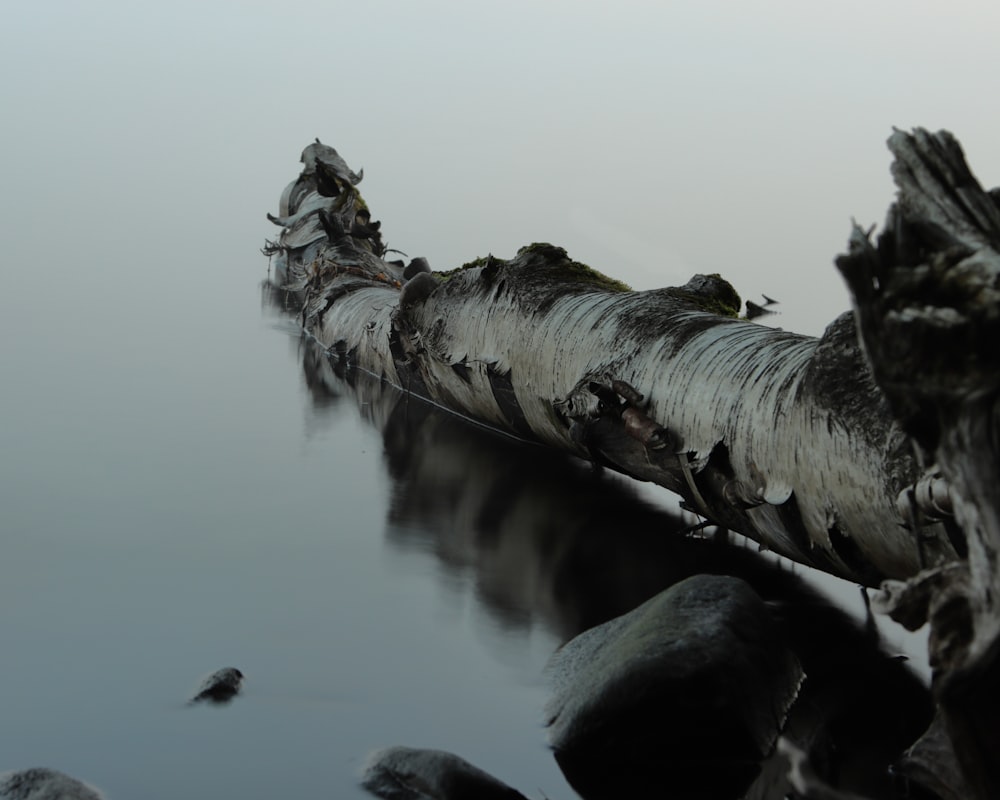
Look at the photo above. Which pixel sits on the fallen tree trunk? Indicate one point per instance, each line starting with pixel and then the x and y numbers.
pixel 870 465
pixel 784 438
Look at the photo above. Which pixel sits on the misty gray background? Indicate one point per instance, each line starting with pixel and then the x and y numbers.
pixel 171 503
pixel 652 140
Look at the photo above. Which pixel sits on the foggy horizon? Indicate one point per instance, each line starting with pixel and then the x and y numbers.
pixel 651 141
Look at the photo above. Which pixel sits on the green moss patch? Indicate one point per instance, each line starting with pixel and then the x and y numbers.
pixel 714 294
pixel 555 264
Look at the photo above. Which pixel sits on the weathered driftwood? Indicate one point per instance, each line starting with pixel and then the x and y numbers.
pixel 927 300
pixel 784 438
pixel 870 465
pixel 932 763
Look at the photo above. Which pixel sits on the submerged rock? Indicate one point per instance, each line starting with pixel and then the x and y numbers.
pixel 220 687
pixel 405 773
pixel 688 691
pixel 41 783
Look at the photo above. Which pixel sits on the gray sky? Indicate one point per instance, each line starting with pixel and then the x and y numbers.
pixel 650 139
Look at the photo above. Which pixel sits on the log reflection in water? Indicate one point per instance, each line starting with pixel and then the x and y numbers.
pixel 550 541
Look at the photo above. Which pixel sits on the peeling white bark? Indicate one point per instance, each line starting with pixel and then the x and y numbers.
pixel 782 437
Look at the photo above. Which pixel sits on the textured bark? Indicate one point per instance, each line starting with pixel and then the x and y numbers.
pixel 927 300
pixel 784 438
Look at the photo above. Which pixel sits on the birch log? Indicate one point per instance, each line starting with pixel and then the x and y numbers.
pixel 784 438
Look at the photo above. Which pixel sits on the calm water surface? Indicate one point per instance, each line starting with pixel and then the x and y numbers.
pixel 187 484
pixel 176 498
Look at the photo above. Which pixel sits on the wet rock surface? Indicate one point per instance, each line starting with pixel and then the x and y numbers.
pixel 220 687
pixel 405 773
pixel 689 690
pixel 41 783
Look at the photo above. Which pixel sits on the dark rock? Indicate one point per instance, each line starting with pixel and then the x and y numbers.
pixel 40 783
pixel 404 773
pixel 220 687
pixel 688 691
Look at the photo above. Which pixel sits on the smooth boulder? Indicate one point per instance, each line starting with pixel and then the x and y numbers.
pixel 41 783
pixel 406 773
pixel 688 691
